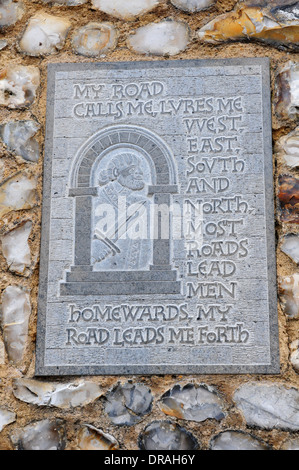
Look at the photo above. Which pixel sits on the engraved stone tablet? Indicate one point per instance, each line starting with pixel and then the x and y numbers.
pixel 157 252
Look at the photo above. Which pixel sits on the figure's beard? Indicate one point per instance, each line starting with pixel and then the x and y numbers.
pixel 131 183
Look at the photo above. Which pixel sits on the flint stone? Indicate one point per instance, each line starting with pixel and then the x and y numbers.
pixel 94 39
pixel 237 440
pixel 269 406
pixel 166 38
pixel 91 438
pixel 18 86
pixel 289 295
pixel 272 5
pixel 15 313
pixel 126 10
pixel 249 22
pixel 127 404
pixel 6 417
pixel 287 91
pixel 10 12
pixel 193 6
pixel 19 192
pixel 16 249
pixel 164 435
pixel 18 136
pixel 288 195
pixel 290 246
pixel 42 435
pixel 294 347
pixel 285 10
pixel 288 149
pixel 62 396
pixel 193 403
pixel 45 34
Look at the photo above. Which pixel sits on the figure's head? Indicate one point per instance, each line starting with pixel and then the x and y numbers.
pixel 126 169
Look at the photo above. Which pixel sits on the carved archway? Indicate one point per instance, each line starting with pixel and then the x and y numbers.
pixel 82 279
pixel 116 136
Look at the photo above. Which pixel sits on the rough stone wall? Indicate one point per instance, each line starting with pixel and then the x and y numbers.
pixel 136 412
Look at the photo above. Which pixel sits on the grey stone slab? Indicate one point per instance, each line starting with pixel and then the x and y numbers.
pixel 158 247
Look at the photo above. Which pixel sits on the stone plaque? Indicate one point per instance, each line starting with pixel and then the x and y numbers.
pixel 158 247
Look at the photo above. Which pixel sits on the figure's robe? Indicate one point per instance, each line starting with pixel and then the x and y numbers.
pixel 121 217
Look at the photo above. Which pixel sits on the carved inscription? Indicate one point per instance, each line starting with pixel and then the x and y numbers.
pixel 164 267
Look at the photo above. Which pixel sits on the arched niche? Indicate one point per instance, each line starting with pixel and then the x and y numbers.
pixel 82 279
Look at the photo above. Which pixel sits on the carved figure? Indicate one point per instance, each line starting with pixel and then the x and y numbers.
pixel 121 240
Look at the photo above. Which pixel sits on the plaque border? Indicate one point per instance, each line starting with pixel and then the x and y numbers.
pixel 274 366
